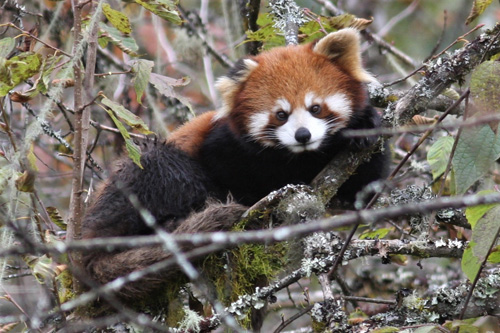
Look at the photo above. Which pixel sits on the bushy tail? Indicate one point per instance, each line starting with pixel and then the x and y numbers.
pixel 105 267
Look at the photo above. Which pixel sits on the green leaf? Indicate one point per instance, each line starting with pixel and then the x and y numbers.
pixel 470 263
pixel 376 234
pixel 484 83
pixel 477 150
pixel 56 218
pixel 166 9
pixel 6 46
pixel 43 268
pixel 117 19
pixel 165 85
pixel 103 41
pixel 142 70
pixel 125 43
pixel 439 154
pixel 483 235
pixel 17 69
pixel 30 156
pixel 478 7
pixel 128 117
pixel 43 82
pixel 494 256
pixel 473 214
pixel 267 34
pixel 133 150
pixel 388 329
pixel 428 329
pixel 462 325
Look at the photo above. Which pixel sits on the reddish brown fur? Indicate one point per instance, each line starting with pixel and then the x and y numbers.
pixel 296 70
pixel 191 135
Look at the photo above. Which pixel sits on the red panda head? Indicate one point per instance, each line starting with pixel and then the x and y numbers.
pixel 296 96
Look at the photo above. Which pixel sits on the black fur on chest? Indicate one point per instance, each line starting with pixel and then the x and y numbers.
pixel 249 171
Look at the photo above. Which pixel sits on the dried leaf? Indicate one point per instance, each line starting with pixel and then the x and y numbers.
pixel 65 83
pixel 165 84
pixel 26 181
pixel 348 21
pixel 421 120
pixel 8 327
pixel 20 97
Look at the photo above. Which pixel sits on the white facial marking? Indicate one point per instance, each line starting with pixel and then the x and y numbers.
pixel 282 104
pixel 302 118
pixel 258 123
pixel 339 103
pixel 310 99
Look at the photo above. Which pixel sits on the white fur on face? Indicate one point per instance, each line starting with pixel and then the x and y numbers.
pixel 300 117
pixel 340 104
pixel 297 119
pixel 257 126
pixel 258 122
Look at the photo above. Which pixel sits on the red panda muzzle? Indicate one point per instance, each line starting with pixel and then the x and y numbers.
pixel 302 135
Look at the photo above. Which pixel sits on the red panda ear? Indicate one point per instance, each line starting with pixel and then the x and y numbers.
pixel 228 85
pixel 342 47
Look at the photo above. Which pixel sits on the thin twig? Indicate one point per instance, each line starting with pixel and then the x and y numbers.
pixel 27 33
pixel 431 58
pixel 293 318
pixel 478 274
pixel 220 57
pixel 440 39
pixel 398 18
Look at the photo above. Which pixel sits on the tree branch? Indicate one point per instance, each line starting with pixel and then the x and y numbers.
pixel 441 74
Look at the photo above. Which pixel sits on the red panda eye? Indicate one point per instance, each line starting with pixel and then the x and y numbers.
pixel 281 115
pixel 315 109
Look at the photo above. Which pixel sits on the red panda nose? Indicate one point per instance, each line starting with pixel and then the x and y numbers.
pixel 302 135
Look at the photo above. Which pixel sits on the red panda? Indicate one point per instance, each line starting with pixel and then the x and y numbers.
pixel 281 122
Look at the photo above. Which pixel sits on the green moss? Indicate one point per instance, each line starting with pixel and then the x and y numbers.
pixel 238 271
pixel 318 327
pixel 65 286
